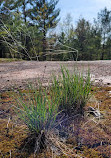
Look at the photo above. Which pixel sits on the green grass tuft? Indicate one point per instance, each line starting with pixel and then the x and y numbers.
pixel 37 109
pixel 74 90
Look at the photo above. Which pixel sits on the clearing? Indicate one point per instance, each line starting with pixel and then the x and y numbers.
pixel 19 72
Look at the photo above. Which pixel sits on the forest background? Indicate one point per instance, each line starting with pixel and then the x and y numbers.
pixel 27 31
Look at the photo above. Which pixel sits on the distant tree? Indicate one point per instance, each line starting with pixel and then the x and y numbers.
pixel 23 7
pixel 44 15
pixel 108 48
pixel 27 35
pixel 82 31
pixel 17 6
pixel 5 18
pixel 104 23
pixel 66 25
pixel 5 11
pixel 94 44
pixel 67 37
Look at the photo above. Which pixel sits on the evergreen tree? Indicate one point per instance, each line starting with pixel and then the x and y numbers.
pixel 5 18
pixel 22 6
pixel 108 48
pixel 44 15
pixel 104 23
pixel 17 6
pixel 82 36
pixel 5 6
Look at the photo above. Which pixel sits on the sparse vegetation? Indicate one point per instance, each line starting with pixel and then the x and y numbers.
pixel 38 111
pixel 89 132
pixel 9 59
pixel 39 107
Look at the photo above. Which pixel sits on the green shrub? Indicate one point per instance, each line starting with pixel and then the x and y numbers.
pixel 73 89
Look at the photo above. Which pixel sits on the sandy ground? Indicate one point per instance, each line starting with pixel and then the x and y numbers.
pixel 18 73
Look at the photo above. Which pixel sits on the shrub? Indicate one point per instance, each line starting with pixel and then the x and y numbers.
pixel 73 89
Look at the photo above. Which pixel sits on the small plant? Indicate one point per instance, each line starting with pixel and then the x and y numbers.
pixel 74 90
pixel 38 111
pixel 38 107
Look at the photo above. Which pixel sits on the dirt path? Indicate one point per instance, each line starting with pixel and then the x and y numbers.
pixel 17 73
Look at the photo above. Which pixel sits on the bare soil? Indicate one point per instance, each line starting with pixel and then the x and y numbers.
pixel 19 72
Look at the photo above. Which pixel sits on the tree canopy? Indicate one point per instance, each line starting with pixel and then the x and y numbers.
pixel 25 32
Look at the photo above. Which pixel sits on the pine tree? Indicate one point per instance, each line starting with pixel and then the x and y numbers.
pixel 5 18
pixel 104 23
pixel 82 37
pixel 17 6
pixel 45 16
pixel 22 6
pixel 5 9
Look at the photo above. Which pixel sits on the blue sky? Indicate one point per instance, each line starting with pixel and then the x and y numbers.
pixel 87 9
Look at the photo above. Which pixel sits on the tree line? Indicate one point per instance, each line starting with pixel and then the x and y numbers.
pixel 25 33
pixel 92 40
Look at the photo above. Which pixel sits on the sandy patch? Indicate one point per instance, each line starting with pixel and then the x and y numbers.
pixel 19 72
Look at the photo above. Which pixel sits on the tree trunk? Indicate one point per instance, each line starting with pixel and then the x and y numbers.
pixel 102 55
pixel 44 45
pixel 24 11
pixel 44 37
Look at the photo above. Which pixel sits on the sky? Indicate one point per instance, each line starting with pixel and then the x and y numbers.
pixel 87 9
